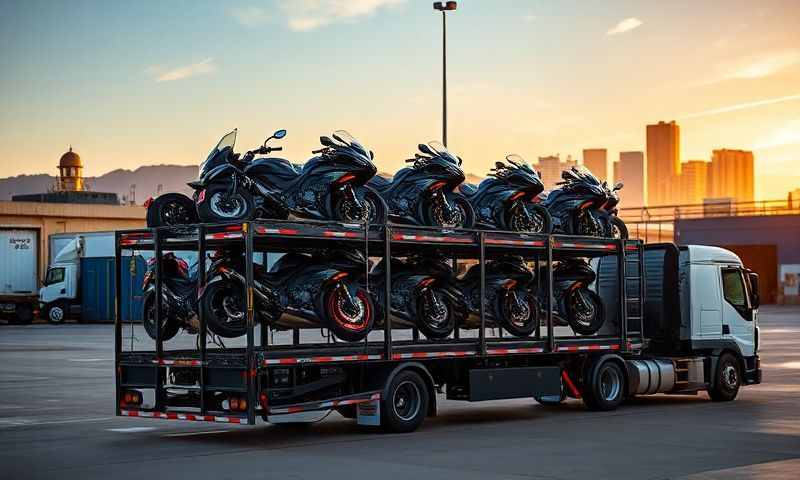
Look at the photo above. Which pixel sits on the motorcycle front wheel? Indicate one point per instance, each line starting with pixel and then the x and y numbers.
pixel 434 314
pixel 220 205
pixel 585 224
pixel 461 214
pixel 617 228
pixel 350 319
pixel 518 312
pixel 171 209
pixel 537 219
pixel 584 309
pixel 169 326
pixel 373 208
pixel 225 309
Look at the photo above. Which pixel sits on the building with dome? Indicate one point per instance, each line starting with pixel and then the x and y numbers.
pixel 70 187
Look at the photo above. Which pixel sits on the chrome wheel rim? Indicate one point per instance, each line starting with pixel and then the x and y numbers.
pixel 610 384
pixel 730 376
pixel 406 401
pixel 229 206
pixel 56 314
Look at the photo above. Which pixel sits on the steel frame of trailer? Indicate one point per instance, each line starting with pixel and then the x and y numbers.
pixel 148 369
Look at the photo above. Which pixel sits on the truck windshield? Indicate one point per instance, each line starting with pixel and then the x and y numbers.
pixel 54 275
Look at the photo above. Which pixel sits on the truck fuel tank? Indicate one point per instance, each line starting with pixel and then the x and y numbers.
pixel 646 377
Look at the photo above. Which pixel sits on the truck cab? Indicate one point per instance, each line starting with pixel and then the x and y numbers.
pixel 59 293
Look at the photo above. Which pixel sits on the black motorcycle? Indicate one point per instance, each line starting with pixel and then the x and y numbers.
pixel 423 194
pixel 330 186
pixel 424 294
pixel 323 289
pixel 510 303
pixel 581 205
pixel 575 304
pixel 503 201
pixel 178 297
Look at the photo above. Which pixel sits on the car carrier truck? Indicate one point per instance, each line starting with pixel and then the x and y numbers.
pixel 679 320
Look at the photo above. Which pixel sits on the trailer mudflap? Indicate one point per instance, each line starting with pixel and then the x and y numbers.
pixel 521 382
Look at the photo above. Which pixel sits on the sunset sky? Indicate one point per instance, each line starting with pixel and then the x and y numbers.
pixel 139 83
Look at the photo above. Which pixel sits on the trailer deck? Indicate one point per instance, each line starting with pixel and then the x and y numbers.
pixel 249 370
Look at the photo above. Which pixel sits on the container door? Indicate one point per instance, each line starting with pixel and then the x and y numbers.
pixel 18 274
pixel 97 289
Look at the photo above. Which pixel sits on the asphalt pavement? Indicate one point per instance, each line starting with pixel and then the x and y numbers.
pixel 56 421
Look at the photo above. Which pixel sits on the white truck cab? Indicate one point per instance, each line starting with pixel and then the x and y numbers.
pixel 59 293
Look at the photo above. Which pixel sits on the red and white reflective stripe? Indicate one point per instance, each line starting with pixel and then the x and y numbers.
pixel 329 233
pixel 606 246
pixel 530 243
pixel 178 362
pixel 223 235
pixel 276 231
pixel 632 247
pixel 428 238
pixel 341 358
pixel 583 348
pixel 505 351
pixel 183 416
pixel 403 356
pixel 323 405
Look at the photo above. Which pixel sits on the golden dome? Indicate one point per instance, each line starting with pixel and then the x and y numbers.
pixel 70 159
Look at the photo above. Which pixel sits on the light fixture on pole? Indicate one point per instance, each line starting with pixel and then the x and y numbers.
pixel 444 7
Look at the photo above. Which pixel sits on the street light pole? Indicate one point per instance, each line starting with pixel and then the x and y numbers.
pixel 444 7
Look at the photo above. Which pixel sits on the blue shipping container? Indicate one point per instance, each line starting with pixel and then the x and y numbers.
pixel 97 288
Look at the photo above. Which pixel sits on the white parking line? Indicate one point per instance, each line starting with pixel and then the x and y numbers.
pixel 131 429
pixel 189 434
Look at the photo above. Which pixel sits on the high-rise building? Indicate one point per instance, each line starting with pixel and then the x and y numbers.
pixel 630 170
pixel 730 175
pixel 550 169
pixel 693 182
pixel 663 162
pixel 595 160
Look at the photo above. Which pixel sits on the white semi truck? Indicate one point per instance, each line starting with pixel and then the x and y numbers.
pixel 680 320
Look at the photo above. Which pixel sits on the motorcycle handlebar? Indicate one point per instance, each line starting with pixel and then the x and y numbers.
pixel 314 152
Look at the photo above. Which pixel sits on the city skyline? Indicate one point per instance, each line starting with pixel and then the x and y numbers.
pixel 162 90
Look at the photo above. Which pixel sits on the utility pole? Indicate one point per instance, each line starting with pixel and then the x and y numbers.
pixel 444 7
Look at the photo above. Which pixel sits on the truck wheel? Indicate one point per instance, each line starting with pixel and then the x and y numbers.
pixel 406 403
pixel 23 314
pixel 56 313
pixel 605 387
pixel 727 380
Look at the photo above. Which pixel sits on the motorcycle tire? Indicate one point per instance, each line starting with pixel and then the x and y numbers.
pixel 580 325
pixel 504 316
pixel 458 200
pixel 546 219
pixel 171 209
pixel 378 210
pixel 218 206
pixel 169 326
pixel 435 329
pixel 225 309
pixel 617 228
pixel 340 322
pixel 599 226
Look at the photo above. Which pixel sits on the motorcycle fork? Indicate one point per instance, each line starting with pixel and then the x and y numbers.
pixel 350 194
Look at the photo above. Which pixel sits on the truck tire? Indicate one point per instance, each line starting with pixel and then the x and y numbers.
pixel 56 313
pixel 727 379
pixel 604 389
pixel 406 403
pixel 23 315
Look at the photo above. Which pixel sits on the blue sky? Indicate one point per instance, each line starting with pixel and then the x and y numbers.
pixel 133 83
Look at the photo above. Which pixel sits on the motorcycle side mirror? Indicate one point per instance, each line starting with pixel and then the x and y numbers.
pixel 326 141
pixel 279 134
pixel 459 160
pixel 498 165
pixel 371 155
pixel 425 149
pixel 618 185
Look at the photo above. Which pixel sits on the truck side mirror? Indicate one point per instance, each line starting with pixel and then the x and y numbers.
pixel 755 300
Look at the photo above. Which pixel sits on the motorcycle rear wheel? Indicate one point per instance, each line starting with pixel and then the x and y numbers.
pixel 348 326
pixel 169 325
pixel 220 206
pixel 225 309
pixel 584 320
pixel 171 209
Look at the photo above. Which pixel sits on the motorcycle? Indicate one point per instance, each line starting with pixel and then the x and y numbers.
pixel 575 305
pixel 424 294
pixel 503 201
pixel 584 206
pixel 330 186
pixel 423 194
pixel 301 290
pixel 509 302
pixel 178 297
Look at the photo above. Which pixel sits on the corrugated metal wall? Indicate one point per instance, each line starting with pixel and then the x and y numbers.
pixel 97 289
